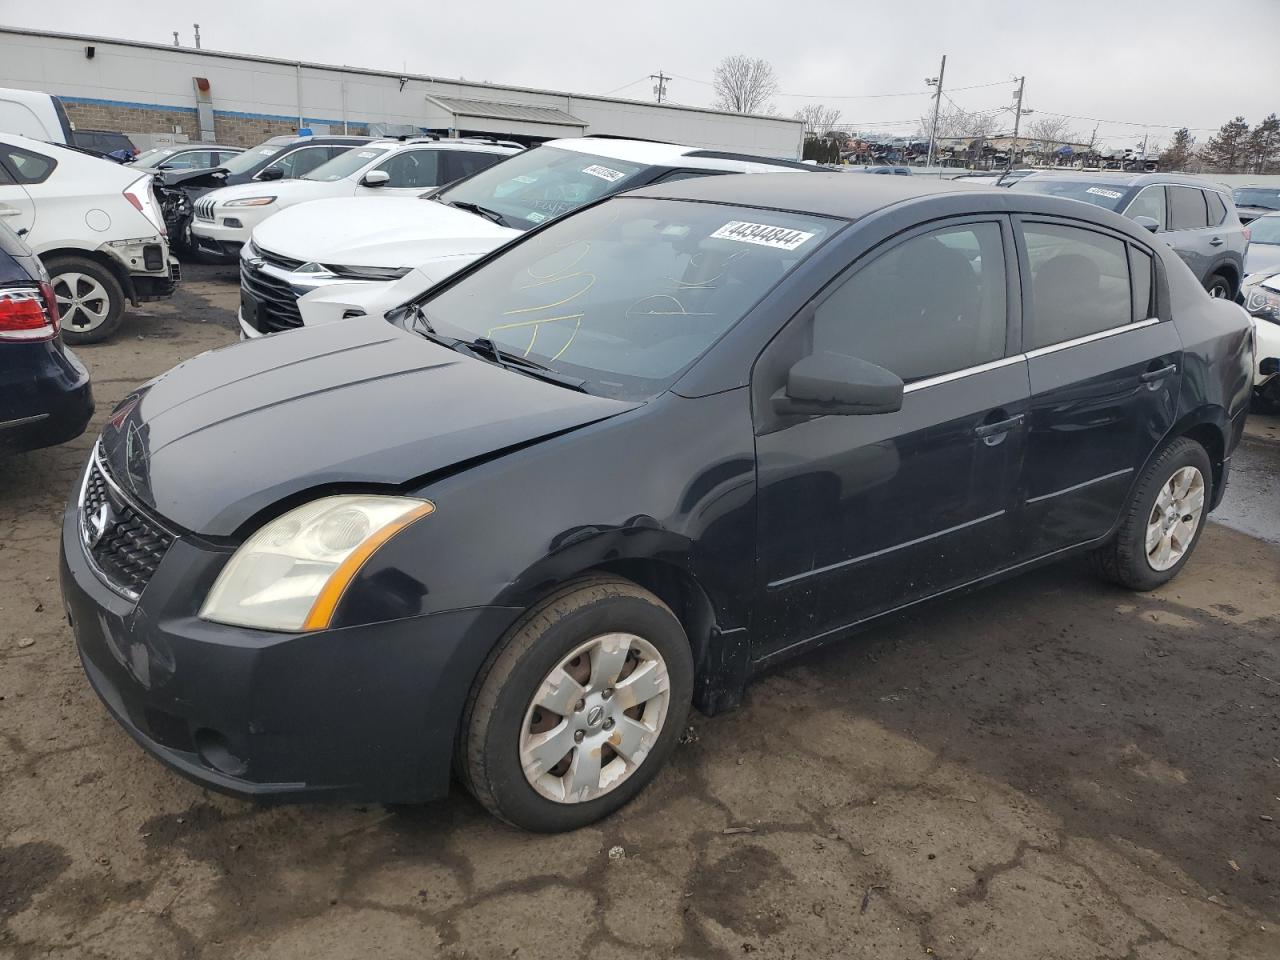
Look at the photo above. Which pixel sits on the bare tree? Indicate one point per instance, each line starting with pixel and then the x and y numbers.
pixel 744 84
pixel 955 122
pixel 818 118
pixel 1050 133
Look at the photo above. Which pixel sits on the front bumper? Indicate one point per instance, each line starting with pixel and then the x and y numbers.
pixel 364 713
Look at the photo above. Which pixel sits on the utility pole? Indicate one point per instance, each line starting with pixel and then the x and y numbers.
pixel 197 26
pixel 1017 119
pixel 937 102
pixel 660 88
pixel 175 38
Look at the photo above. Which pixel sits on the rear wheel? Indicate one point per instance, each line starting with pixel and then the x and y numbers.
pixel 1220 287
pixel 580 707
pixel 1163 520
pixel 90 299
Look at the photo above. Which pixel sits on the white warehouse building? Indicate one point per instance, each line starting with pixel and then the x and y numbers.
pixel 155 91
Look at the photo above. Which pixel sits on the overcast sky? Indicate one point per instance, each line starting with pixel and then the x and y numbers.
pixel 1170 62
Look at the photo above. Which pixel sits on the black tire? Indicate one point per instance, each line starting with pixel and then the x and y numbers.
pixel 1123 560
pixel 492 723
pixel 60 269
pixel 1219 286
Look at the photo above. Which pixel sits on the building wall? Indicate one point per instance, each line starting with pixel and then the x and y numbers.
pixel 148 88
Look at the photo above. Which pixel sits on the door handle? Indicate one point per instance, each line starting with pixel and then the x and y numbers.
pixel 1215 242
pixel 985 430
pixel 1151 376
pixel 8 211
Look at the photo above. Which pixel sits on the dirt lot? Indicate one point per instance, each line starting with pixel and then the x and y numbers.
pixel 1051 768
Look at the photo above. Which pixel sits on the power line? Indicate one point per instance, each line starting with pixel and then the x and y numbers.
pixel 858 96
pixel 1124 123
pixel 625 85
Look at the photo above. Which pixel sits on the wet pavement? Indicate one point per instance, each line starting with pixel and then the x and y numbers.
pixel 1252 501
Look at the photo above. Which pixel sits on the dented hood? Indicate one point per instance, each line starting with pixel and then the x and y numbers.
pixel 359 403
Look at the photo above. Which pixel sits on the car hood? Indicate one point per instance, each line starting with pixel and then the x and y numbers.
pixel 285 191
pixel 377 232
pixel 232 433
pixel 1262 258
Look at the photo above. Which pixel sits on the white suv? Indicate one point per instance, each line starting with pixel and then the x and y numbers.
pixel 383 168
pixel 355 256
pixel 95 225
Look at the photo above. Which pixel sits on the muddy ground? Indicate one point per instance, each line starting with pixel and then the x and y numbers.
pixel 1052 768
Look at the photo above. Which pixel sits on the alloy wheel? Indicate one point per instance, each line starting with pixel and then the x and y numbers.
pixel 1175 518
pixel 83 303
pixel 594 718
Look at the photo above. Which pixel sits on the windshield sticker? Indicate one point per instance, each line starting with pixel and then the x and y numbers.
pixel 268 151
pixel 604 173
pixel 781 238
pixel 367 154
pixel 1109 194
pixel 535 216
pixel 525 178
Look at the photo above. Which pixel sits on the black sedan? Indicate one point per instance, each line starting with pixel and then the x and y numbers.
pixel 625 463
pixel 45 397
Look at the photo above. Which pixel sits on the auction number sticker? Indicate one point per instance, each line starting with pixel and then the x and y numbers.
pixel 368 154
pixel 1109 194
pixel 604 173
pixel 535 216
pixel 525 178
pixel 762 234
pixel 268 151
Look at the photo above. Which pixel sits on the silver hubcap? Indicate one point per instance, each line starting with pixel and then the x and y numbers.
pixel 594 718
pixel 83 303
pixel 1174 519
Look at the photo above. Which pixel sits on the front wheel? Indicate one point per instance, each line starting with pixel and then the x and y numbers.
pixel 1163 520
pixel 580 707
pixel 1219 287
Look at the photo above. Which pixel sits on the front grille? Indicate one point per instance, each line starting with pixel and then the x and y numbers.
pixel 124 543
pixel 204 209
pixel 276 303
pixel 277 260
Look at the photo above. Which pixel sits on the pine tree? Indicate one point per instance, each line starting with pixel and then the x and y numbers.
pixel 1264 145
pixel 1228 149
pixel 1178 154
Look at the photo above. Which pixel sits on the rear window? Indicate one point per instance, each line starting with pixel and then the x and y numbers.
pixel 1106 195
pixel 26 166
pixel 1217 209
pixel 1187 209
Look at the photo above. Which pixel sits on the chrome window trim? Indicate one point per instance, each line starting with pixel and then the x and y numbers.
pixel 1090 338
pixel 965 372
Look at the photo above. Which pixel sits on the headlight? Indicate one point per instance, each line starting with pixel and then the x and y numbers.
pixel 1261 302
pixel 368 273
pixel 249 202
pixel 291 574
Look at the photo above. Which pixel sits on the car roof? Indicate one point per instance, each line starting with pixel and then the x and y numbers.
pixel 449 144
pixel 656 153
pixel 829 195
pixel 292 138
pixel 1128 179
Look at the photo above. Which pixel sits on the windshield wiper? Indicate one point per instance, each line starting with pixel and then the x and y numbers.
pixel 485 212
pixel 418 323
pixel 483 345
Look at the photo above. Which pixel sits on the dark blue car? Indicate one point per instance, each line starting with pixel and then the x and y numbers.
pixel 45 397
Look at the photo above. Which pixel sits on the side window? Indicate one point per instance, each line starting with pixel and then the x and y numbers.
pixel 463 163
pixel 1186 209
pixel 1143 270
pixel 1079 284
pixel 27 166
pixel 300 162
pixel 1217 209
pixel 413 168
pixel 933 304
pixel 1149 203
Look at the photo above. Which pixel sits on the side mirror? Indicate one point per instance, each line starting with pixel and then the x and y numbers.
pixel 833 383
pixel 272 173
pixel 1149 223
pixel 375 178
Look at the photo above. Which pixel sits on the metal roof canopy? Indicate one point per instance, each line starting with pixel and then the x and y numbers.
pixel 516 118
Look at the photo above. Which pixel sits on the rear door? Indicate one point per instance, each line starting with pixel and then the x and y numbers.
pixel 863 514
pixel 1189 232
pixel 1104 362
pixel 20 169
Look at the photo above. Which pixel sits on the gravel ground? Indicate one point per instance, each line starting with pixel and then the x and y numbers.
pixel 1049 769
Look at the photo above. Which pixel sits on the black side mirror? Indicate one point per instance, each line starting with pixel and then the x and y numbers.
pixel 833 383
pixel 272 173
pixel 1148 223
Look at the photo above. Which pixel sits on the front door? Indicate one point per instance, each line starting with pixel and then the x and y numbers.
pixel 1105 370
pixel 862 514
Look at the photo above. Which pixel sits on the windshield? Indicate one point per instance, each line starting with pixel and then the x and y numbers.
pixel 627 294
pixel 543 183
pixel 250 159
pixel 1268 197
pixel 1106 195
pixel 343 165
pixel 1265 229
pixel 149 158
